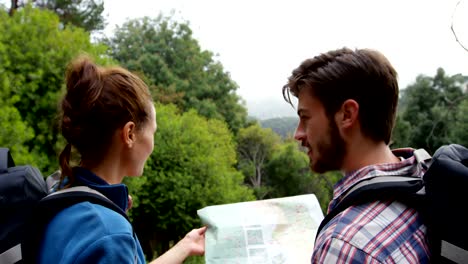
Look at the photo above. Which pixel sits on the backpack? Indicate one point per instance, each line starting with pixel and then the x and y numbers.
pixel 440 196
pixel 27 203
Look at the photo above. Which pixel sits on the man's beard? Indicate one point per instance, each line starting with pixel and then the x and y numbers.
pixel 331 152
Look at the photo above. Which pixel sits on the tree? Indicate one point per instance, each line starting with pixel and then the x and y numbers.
pixel 459 130
pixel 289 174
pixel 288 171
pixel 401 133
pixel 36 50
pixel 177 69
pixel 86 14
pixel 14 5
pixel 430 106
pixel 192 166
pixel 13 133
pixel 255 148
pixel 283 126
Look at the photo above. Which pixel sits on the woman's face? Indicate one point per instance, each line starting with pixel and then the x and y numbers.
pixel 144 145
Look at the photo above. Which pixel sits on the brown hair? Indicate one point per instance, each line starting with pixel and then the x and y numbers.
pixel 363 75
pixel 98 101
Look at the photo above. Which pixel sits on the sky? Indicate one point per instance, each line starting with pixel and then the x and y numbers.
pixel 259 42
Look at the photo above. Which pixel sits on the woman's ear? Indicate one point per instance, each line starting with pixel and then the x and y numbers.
pixel 348 114
pixel 128 134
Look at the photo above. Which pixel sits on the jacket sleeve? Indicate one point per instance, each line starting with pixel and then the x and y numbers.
pixel 115 248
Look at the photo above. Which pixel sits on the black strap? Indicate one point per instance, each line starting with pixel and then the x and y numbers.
pixel 6 161
pixel 52 204
pixel 405 191
pixel 49 206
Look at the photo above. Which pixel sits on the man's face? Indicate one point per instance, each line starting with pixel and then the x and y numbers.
pixel 320 135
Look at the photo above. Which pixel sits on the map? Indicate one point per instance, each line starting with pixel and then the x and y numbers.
pixel 273 231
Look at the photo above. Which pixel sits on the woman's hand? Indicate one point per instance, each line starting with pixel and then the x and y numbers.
pixel 192 244
pixel 194 241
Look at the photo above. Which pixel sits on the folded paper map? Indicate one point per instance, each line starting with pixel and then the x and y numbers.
pixel 273 231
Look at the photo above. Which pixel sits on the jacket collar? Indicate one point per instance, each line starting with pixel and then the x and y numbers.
pixel 117 193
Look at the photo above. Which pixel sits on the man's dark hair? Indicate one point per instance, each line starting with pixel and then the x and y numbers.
pixel 363 75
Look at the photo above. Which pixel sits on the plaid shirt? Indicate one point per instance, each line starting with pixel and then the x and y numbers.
pixel 377 232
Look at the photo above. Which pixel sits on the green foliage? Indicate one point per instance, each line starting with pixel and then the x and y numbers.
pixel 86 14
pixel 135 185
pixel 289 174
pixel 279 169
pixel 322 186
pixel 177 69
pixel 192 166
pixel 459 130
pixel 255 148
pixel 195 260
pixel 288 171
pixel 34 51
pixel 401 133
pixel 13 133
pixel 283 126
pixel 433 111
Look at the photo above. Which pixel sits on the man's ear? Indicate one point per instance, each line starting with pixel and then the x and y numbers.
pixel 128 134
pixel 348 114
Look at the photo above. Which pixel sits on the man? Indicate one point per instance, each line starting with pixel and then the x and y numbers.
pixel 347 102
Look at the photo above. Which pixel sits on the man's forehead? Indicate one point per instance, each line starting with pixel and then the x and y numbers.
pixel 307 102
pixel 303 106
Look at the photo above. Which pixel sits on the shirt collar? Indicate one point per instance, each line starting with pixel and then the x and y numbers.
pixel 117 193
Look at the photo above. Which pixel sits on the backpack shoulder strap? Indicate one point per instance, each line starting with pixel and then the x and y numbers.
pixel 6 161
pixel 56 201
pixel 52 204
pixel 405 189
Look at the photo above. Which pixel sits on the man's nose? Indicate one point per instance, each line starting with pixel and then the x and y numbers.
pixel 299 134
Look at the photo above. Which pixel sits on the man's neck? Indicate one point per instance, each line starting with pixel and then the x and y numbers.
pixel 365 153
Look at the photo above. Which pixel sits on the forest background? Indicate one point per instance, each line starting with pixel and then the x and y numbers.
pixel 208 150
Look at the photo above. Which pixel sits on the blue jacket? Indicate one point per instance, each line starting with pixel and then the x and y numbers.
pixel 91 233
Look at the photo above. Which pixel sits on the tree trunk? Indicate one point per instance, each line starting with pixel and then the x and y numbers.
pixel 13 7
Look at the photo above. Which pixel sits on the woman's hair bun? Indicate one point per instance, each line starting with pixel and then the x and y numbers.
pixel 98 101
pixel 82 70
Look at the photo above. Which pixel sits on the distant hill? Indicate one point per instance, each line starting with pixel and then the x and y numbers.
pixel 283 126
pixel 274 113
pixel 266 108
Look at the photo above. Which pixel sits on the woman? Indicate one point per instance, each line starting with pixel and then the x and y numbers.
pixel 109 118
